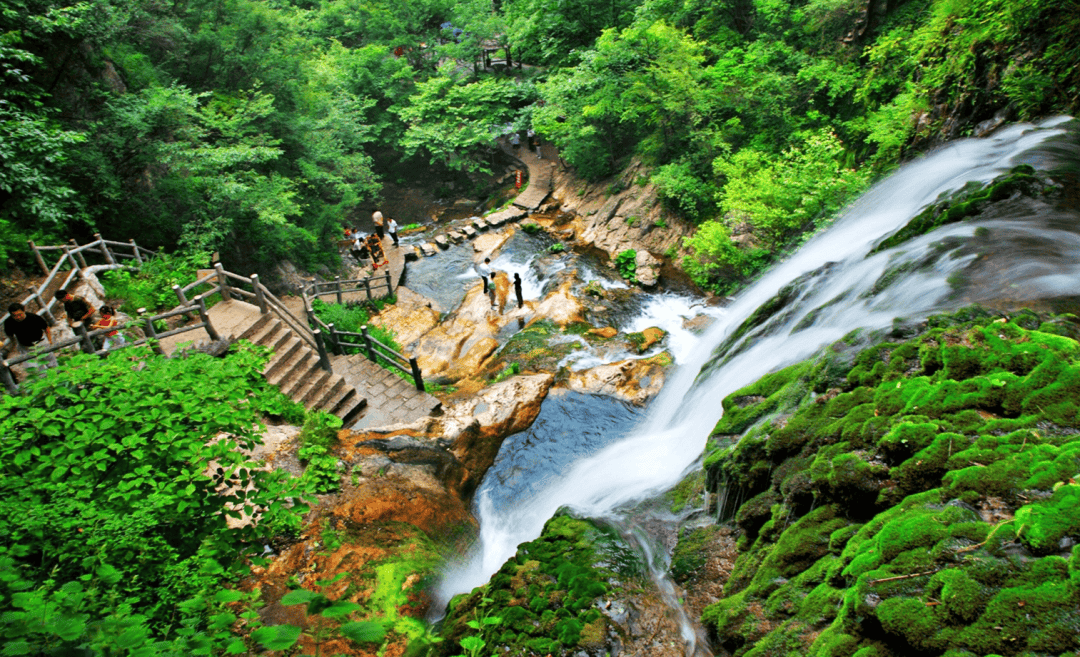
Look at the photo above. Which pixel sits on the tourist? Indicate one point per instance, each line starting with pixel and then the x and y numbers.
pixel 517 290
pixel 392 227
pixel 378 257
pixel 377 219
pixel 27 330
pixel 77 308
pixel 484 269
pixel 108 320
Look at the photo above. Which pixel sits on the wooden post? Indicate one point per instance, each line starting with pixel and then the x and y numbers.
pixel 337 288
pixel 79 255
pixel 324 358
pixel 151 332
pixel 182 299
pixel 367 287
pixel 104 249
pixel 308 311
pixel 335 342
pixel 416 375
pixel 5 374
pixel 389 290
pixel 44 306
pixel 370 345
pixel 135 251
pixel 223 282
pixel 37 256
pixel 84 337
pixel 205 317
pixel 260 296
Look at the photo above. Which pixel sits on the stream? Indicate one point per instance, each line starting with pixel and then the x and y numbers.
pixel 601 458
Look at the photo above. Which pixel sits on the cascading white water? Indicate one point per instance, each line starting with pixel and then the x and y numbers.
pixel 656 454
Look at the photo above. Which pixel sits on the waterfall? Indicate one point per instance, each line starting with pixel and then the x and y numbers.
pixel 837 295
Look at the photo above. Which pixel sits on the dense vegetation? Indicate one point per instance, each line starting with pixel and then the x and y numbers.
pixel 909 497
pixel 258 129
pixel 118 484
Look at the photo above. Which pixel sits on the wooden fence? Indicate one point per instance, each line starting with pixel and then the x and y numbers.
pixel 216 281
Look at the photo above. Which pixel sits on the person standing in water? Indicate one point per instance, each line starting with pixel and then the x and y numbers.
pixel 517 290
pixel 484 269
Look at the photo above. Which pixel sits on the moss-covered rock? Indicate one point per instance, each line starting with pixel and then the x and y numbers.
pixel 917 496
pixel 544 599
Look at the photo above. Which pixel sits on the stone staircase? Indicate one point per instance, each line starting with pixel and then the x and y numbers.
pixel 295 370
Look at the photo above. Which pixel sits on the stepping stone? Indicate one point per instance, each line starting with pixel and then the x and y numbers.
pixel 469 231
pixel 442 242
pixel 413 254
pixel 479 224
pixel 456 237
pixel 428 249
pixel 495 220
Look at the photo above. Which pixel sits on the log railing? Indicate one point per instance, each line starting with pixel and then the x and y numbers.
pixel 73 259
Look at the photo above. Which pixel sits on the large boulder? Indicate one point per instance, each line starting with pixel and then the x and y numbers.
pixel 633 381
pixel 410 318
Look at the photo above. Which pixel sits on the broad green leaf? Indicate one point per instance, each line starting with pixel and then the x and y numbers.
pixel 364 631
pixel 298 597
pixel 277 637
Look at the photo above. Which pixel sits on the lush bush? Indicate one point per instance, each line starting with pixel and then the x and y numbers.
pixel 626 264
pixel 717 263
pixel 138 468
pixel 151 286
pixel 351 317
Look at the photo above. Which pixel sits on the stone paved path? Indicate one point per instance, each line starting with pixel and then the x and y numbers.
pixel 390 398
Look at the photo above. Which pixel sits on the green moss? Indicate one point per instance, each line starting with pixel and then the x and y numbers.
pixel 1041 526
pixel 689 556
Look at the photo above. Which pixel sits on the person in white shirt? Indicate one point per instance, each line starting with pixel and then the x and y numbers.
pixel 392 229
pixel 484 269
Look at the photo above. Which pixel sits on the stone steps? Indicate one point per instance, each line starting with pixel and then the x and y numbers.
pixel 295 370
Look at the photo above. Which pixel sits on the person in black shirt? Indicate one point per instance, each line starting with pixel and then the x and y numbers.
pixel 27 329
pixel 517 290
pixel 77 308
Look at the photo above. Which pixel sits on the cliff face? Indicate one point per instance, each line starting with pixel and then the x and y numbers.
pixel 620 213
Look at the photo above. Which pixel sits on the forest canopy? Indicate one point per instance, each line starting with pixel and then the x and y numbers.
pixel 259 129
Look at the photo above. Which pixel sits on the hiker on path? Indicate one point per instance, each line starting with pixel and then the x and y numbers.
pixel 377 219
pixel 77 308
pixel 392 227
pixel 27 330
pixel 517 289
pixel 378 256
pixel 484 269
pixel 108 320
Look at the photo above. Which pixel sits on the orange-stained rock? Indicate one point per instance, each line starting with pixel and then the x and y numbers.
pixel 561 306
pixel 410 318
pixel 478 426
pixel 650 336
pixel 606 332
pixel 633 381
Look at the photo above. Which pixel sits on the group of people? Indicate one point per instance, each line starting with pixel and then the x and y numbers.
pixel 488 278
pixel 28 330
pixel 365 246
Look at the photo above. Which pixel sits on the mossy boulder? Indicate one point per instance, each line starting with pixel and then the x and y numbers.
pixel 917 496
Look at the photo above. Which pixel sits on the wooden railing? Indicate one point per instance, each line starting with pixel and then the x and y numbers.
pixel 69 265
pixel 84 338
pixel 217 281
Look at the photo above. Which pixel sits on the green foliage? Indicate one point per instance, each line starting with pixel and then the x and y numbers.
pixel 716 262
pixel 150 286
pixel 785 195
pixel 109 464
pixel 317 439
pixel 626 265
pixel 531 228
pixel 557 247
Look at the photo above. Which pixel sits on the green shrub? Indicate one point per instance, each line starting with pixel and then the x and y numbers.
pixel 626 264
pixel 151 286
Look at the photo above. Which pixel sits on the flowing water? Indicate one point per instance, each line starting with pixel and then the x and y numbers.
pixel 599 459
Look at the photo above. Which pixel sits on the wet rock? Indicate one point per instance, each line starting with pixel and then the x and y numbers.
pixel 469 231
pixel 477 426
pixel 442 241
pixel 413 254
pixel 606 332
pixel 561 306
pixel 456 237
pixel 632 381
pixel 485 245
pixel 430 249
pixel 648 268
pixel 479 224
